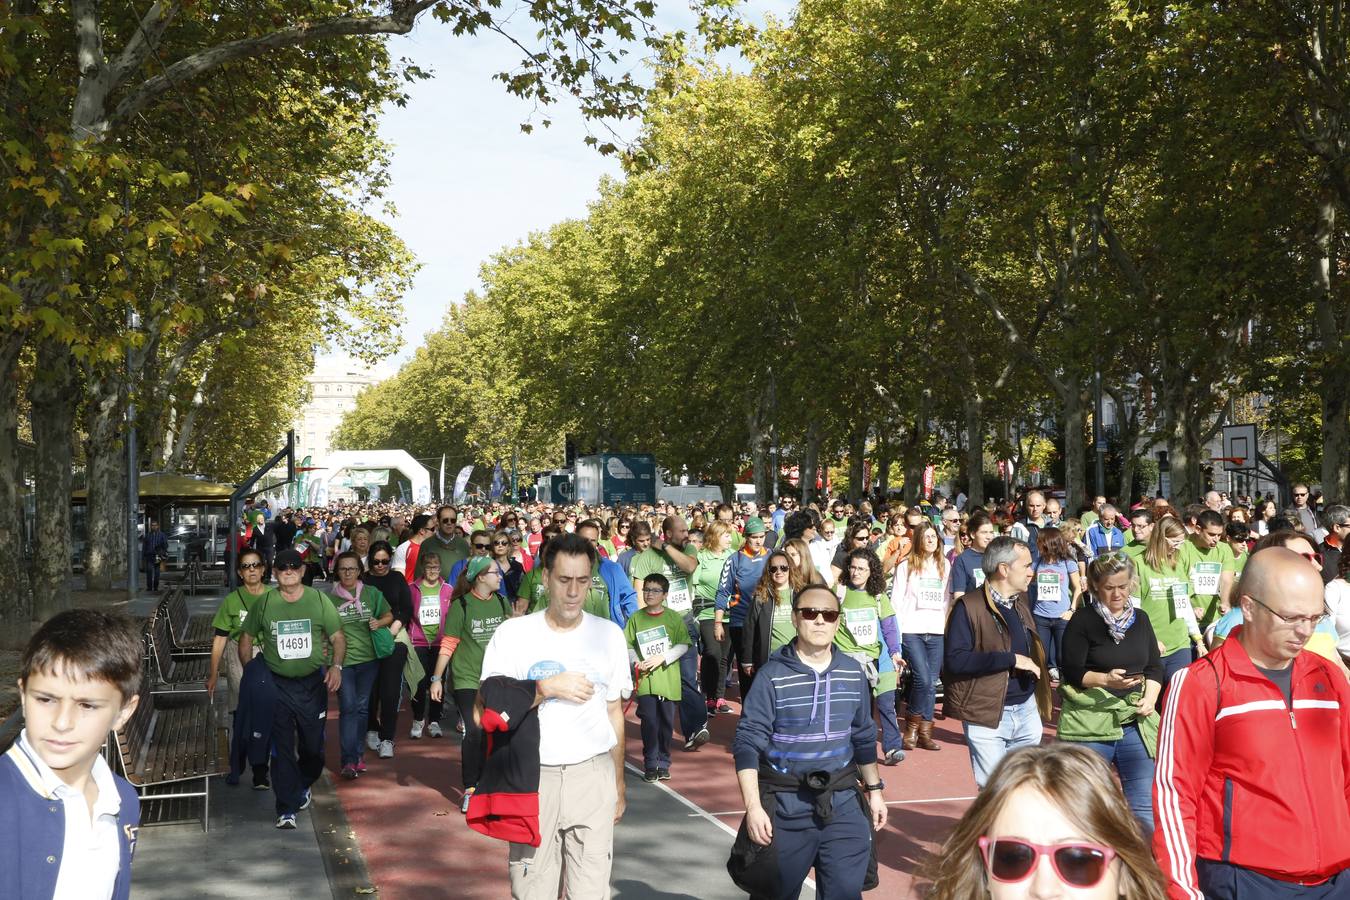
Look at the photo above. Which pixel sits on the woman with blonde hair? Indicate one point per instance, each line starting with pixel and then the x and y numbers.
pixel 1165 595
pixel 799 553
pixel 1050 822
pixel 712 630
pixel 921 594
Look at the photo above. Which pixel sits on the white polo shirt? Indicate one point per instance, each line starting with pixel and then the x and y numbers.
pixel 528 649
pixel 91 853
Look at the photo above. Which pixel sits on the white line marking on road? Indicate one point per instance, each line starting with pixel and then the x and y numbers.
pixel 741 812
pixel 698 811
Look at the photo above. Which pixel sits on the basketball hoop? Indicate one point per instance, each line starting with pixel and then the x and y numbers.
pixel 1233 460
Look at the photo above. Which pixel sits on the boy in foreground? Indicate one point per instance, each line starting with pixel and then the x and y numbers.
pixel 656 639
pixel 79 678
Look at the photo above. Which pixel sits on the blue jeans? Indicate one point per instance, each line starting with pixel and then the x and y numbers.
pixel 1051 631
pixel 1173 663
pixel 1019 727
pixel 354 703
pixel 1136 773
pixel 887 721
pixel 693 709
pixel 923 652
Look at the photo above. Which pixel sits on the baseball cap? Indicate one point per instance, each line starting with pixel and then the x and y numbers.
pixel 288 559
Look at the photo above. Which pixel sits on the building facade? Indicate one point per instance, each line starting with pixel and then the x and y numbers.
pixel 332 394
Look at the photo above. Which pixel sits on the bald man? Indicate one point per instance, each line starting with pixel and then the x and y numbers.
pixel 1252 786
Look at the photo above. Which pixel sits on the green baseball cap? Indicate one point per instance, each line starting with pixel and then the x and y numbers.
pixel 754 525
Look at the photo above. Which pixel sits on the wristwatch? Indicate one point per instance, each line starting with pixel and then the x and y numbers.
pixel 435 679
pixel 337 666
pixel 880 785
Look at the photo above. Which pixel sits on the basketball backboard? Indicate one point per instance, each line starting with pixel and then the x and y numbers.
pixel 1239 446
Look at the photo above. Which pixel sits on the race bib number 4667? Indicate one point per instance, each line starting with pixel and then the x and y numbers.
pixel 295 639
pixel 653 642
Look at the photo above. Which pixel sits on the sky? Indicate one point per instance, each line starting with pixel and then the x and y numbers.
pixel 466 181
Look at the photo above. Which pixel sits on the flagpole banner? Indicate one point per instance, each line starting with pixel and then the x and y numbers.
pixel 498 482
pixel 462 482
pixel 440 488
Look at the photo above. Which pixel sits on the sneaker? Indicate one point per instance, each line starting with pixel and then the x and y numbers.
pixel 700 738
pixel 360 767
pixel 893 757
pixel 386 749
pixel 663 774
pixel 650 776
pixel 712 709
pixel 262 783
pixel 349 772
pixel 304 804
pixel 459 726
pixel 1054 674
pixel 434 730
pixel 417 727
pixel 286 822
pixel 464 804
pixel 723 706
pixel 373 740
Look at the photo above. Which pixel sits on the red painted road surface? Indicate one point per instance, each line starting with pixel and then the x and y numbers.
pixel 405 811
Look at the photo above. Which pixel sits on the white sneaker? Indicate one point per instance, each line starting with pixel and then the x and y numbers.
pixel 417 729
pixel 434 729
pixel 373 740
pixel 386 749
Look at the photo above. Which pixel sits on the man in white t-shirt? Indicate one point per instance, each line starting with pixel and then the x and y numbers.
pixel 579 663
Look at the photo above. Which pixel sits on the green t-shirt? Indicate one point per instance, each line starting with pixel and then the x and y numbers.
pixel 1088 519
pixel 707 576
pixel 427 609
pixel 597 598
pixel 1239 563
pixel 651 636
pixel 234 610
pixel 653 562
pixel 1134 550
pixel 1164 595
pixel 1206 568
pixel 474 622
pixel 860 625
pixel 293 636
pixel 783 628
pixel 309 546
pixel 356 615
pixel 449 553
pixel 533 591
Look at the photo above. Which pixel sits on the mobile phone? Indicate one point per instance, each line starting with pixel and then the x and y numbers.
pixel 1133 675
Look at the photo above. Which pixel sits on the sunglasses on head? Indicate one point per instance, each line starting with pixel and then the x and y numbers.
pixel 1077 863
pixel 809 613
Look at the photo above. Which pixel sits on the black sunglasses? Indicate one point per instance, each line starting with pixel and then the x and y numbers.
pixel 290 567
pixel 250 565
pixel 480 546
pixel 809 613
pixel 779 569
pixel 383 561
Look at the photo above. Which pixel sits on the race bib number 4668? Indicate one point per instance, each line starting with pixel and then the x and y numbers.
pixel 295 639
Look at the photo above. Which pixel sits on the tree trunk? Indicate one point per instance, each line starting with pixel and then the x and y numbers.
pixel 1334 364
pixel 883 473
pixel 1074 408
pixel 857 463
pixel 105 559
pixel 54 397
pixel 809 470
pixel 761 442
pixel 15 600
pixel 974 408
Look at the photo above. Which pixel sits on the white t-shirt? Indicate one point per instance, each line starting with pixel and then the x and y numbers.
pixel 527 648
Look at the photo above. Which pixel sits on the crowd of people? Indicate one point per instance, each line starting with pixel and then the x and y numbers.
pixel 1191 662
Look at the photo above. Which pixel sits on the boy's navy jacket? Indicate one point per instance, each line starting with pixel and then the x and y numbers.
pixel 252 738
pixel 33 831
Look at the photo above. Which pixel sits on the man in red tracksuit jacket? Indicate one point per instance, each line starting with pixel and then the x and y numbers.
pixel 1252 786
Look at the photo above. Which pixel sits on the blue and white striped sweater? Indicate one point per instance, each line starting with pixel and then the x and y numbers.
pixel 798 720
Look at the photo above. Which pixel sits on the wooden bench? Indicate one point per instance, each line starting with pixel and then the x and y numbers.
pixel 187 633
pixel 163 750
pixel 169 672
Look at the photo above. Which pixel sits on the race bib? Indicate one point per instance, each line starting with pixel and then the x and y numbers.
pixel 653 642
pixel 680 598
pixel 928 591
pixel 243 614
pixel 1205 578
pixel 295 639
pixel 1048 588
pixel 862 624
pixel 1181 599
pixel 429 613
pixel 979 578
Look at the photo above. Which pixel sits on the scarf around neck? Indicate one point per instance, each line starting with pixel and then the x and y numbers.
pixel 1117 625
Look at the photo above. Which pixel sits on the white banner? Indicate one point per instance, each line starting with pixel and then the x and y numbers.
pixel 462 482
pixel 440 489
